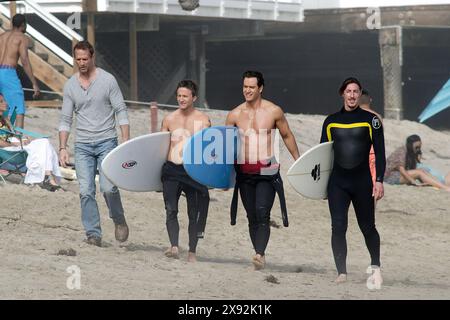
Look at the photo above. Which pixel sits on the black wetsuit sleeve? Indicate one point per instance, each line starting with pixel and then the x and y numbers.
pixel 378 147
pixel 323 137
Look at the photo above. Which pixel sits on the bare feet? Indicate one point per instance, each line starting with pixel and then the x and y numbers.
pixel 259 262
pixel 172 253
pixel 191 257
pixel 375 280
pixel 341 278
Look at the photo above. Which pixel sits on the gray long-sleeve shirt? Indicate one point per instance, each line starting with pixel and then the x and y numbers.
pixel 94 108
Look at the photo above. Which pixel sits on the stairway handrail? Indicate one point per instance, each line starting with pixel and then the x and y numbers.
pixel 53 21
pixel 42 39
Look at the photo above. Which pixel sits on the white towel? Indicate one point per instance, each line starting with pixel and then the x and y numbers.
pixel 41 157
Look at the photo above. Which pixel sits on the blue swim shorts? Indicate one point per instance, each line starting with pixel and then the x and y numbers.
pixel 11 89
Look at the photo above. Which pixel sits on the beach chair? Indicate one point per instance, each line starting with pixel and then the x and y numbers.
pixel 12 162
pixel 32 134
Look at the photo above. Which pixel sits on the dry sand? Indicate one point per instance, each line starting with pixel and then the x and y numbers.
pixel 414 225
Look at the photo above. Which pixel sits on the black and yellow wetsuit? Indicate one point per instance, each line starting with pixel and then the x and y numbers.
pixel 353 133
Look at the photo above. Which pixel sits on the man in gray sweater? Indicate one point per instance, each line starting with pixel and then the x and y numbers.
pixel 94 96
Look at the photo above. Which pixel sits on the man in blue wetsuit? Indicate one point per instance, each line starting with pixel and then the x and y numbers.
pixel 354 131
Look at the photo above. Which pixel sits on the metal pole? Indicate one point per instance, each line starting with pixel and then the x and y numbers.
pixel 153 116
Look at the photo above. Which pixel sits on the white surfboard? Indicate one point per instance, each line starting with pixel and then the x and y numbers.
pixel 309 175
pixel 136 164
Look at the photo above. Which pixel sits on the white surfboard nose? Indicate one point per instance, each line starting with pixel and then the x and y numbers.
pixel 309 175
pixel 136 164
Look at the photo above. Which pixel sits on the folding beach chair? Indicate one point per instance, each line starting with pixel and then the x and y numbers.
pixel 12 120
pixel 13 162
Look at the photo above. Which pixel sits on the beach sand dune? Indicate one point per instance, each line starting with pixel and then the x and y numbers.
pixel 38 228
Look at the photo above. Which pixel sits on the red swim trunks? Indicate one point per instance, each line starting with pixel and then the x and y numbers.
pixel 255 168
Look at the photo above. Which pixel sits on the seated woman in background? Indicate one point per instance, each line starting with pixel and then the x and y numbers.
pixel 402 166
pixel 42 160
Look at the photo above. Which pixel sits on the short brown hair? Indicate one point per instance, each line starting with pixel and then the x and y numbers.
pixel 84 45
pixel 347 82
pixel 188 84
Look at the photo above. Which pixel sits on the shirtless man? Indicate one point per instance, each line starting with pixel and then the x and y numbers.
pixel 14 45
pixel 257 170
pixel 182 124
pixel 365 102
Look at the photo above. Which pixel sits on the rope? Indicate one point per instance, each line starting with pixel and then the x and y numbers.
pixel 149 103
pixel 126 101
pixel 44 91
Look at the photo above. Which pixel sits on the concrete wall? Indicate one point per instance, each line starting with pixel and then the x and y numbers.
pixel 302 74
pixel 303 70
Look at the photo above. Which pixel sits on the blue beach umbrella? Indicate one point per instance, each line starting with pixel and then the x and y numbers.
pixel 440 102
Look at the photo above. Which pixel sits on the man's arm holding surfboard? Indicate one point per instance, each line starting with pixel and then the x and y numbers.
pixel 323 136
pixel 206 122
pixel 164 125
pixel 230 121
pixel 286 133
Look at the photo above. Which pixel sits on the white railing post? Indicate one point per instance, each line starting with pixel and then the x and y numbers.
pixel 53 21
pixel 42 39
pixel 275 10
pixel 222 8
pixel 272 10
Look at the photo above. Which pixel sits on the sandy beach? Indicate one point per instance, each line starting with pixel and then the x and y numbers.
pixel 413 222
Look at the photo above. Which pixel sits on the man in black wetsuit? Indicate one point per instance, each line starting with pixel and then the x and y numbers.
pixel 182 124
pixel 354 131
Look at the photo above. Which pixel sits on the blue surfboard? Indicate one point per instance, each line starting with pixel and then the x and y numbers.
pixel 440 102
pixel 209 156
